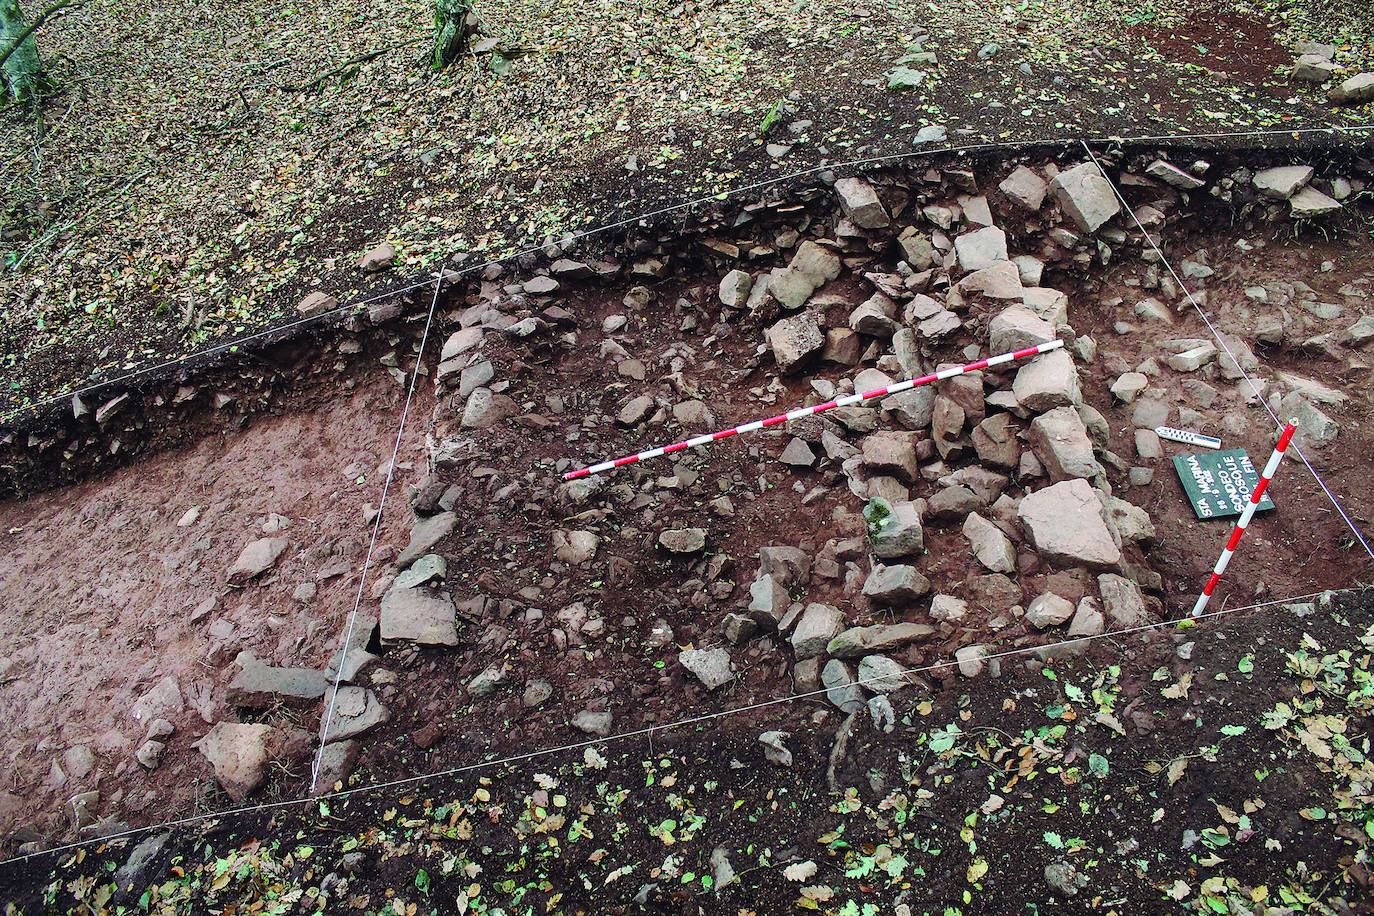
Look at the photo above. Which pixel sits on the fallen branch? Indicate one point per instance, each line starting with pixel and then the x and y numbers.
pixel 352 62
pixel 109 198
pixel 37 23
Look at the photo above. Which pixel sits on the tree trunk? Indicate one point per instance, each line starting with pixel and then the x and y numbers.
pixel 22 72
pixel 452 29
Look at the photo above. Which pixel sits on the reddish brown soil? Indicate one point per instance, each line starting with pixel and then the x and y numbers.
pixel 1225 40
pixel 1304 545
pixel 101 589
pixel 502 549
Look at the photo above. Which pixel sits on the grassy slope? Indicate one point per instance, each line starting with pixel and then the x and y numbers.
pixel 182 192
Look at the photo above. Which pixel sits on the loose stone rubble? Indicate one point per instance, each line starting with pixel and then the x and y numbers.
pixel 985 511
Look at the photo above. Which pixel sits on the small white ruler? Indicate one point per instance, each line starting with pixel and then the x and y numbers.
pixel 1187 437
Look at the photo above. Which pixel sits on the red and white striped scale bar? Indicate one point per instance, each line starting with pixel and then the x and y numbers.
pixel 800 412
pixel 1265 476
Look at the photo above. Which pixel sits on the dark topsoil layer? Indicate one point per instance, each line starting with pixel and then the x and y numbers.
pixel 1087 783
pixel 45 445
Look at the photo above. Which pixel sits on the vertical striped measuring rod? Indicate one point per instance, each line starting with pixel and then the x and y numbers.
pixel 800 412
pixel 1226 553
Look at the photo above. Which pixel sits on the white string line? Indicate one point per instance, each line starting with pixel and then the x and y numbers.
pixel 1227 350
pixel 1188 622
pixel 719 195
pixel 376 531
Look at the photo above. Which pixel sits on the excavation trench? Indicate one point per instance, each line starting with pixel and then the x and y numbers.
pixel 520 612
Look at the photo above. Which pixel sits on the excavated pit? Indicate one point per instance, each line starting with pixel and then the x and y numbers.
pixel 530 612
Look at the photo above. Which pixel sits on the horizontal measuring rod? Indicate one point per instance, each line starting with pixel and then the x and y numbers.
pixel 894 388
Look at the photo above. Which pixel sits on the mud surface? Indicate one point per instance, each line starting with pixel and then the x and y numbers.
pixel 103 595
pixel 107 593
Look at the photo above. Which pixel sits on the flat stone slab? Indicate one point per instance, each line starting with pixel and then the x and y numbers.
pixel 857 642
pixel 424 535
pixel 355 710
pixel 258 686
pixel 1067 525
pixel 419 615
pixel 710 666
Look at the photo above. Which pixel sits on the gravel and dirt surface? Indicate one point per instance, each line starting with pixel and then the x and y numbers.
pixel 1217 769
pixel 505 612
pixel 195 179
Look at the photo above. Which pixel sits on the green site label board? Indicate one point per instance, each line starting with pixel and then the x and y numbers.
pixel 1219 484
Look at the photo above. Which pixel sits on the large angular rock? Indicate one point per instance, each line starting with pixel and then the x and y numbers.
pixel 635 411
pixel 351 711
pixel 897 584
pixel 1086 196
pixel 1192 359
pixel 1355 91
pixel 892 454
pixel 815 263
pixel 991 547
pixel 794 339
pixel 1026 187
pixel 1087 618
pixel 819 624
pixel 419 615
pixel 337 760
pixel 789 565
pixel 1313 68
pixel 1283 181
pixel 879 638
pixel 894 529
pixel 683 540
pixel 880 674
pixel 841 688
pixel 1049 380
pixel 1122 601
pixel 768 600
pixel 1017 327
pixel 1002 280
pixel 424 535
pixel 316 303
pixel 1309 203
pixel 734 289
pixel 1315 428
pixel 1061 443
pixel 162 700
pixel 240 753
pixel 710 666
pixel 1171 174
pixel 255 559
pixel 1048 610
pixel 460 342
pixel 861 204
pixel 995 441
pixel 972 659
pixel 876 316
pixel 258 686
pixel 980 249
pixel 1067 525
pixel 952 504
pixel 947 425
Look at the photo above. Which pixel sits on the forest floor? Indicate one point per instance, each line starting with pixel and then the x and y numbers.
pixel 204 169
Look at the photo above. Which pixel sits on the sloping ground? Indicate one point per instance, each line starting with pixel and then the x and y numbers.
pixel 511 611
pixel 195 183
pixel 1222 768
